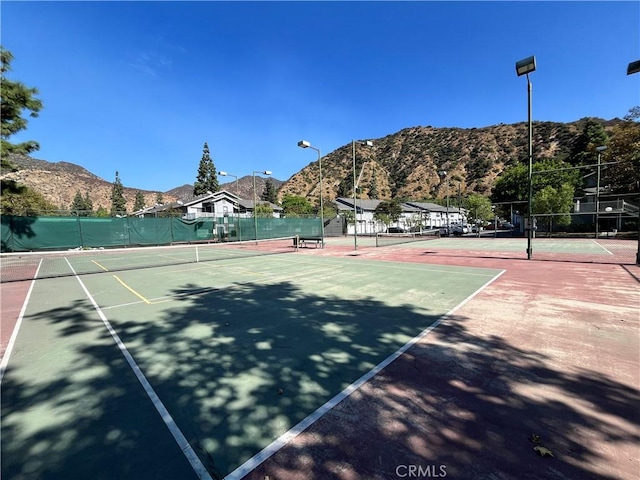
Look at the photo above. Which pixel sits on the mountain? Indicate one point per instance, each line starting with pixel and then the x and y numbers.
pixel 60 181
pixel 403 165
pixel 406 164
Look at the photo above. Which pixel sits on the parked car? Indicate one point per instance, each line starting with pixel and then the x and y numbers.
pixel 476 228
pixel 506 226
pixel 460 229
pixel 395 230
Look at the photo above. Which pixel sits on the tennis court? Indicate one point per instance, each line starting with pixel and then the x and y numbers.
pixel 320 364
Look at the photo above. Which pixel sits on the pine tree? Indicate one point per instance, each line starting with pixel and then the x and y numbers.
pixel 77 206
pixel 138 203
pixel 373 188
pixel 269 192
pixel 118 202
pixel 88 204
pixel 207 179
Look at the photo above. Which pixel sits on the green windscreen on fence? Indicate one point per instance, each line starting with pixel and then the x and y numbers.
pixel 23 234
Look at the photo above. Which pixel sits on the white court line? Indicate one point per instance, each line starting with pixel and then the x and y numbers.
pixel 286 437
pixel 14 334
pixel 7 353
pixel 180 439
pixel 601 246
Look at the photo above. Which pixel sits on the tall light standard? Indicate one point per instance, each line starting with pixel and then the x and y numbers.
pixel 634 67
pixel 599 150
pixel 255 201
pixel 225 174
pixel 443 176
pixel 525 67
pixel 305 144
pixel 355 187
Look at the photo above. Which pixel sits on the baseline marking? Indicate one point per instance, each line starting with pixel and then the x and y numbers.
pixel 168 420
pixel 286 437
pixel 132 290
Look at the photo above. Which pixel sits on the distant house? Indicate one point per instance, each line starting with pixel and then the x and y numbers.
pixel 415 215
pixel 219 204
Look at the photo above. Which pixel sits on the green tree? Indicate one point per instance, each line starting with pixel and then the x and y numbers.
pixel 138 203
pixel 118 202
pixel 159 198
pixel 479 207
pixel 294 205
pixel 88 204
pixel 624 148
pixel 269 192
pixel 207 179
pixel 264 210
pixel 102 212
pixel 20 200
pixel 79 206
pixel 15 98
pixel 373 188
pixel 553 205
pixel 388 211
pixel 593 135
pixel 512 185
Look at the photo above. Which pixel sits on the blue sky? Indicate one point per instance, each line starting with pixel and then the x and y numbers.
pixel 138 87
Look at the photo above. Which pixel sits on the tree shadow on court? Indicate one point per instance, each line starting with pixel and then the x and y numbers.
pixel 472 410
pixel 237 367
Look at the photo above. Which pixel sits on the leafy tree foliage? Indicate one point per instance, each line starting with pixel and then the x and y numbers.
pixel 624 147
pixel 207 179
pixel 269 192
pixel 513 184
pixel 389 210
pixel 479 207
pixel 138 203
pixel 373 188
pixel 102 212
pixel 81 206
pixel 20 200
pixel 584 149
pixel 550 202
pixel 294 205
pixel 264 210
pixel 118 202
pixel 15 98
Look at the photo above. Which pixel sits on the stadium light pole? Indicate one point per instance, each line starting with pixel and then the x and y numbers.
pixel 225 174
pixel 443 175
pixel 599 150
pixel 355 187
pixel 525 67
pixel 255 201
pixel 305 144
pixel 634 67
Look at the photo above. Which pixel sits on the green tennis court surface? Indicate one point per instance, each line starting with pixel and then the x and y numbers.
pixel 235 353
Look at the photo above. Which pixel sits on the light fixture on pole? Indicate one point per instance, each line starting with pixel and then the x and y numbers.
pixel 255 201
pixel 355 187
pixel 443 176
pixel 305 144
pixel 225 174
pixel 599 150
pixel 525 67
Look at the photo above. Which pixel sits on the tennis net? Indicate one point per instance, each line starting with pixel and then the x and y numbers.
pixel 387 239
pixel 34 265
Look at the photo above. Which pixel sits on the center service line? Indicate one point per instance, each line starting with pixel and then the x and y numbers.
pixel 180 439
